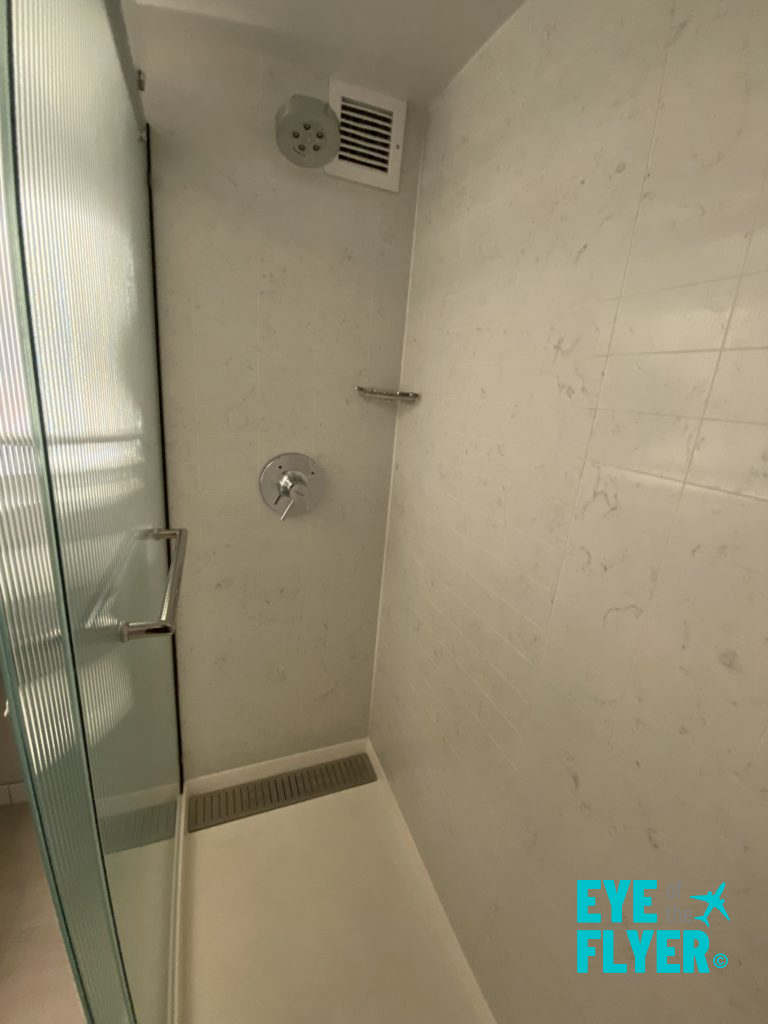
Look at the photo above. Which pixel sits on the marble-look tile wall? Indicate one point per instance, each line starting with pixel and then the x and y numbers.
pixel 280 289
pixel 573 652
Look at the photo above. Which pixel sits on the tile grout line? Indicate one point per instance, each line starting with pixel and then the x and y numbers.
pixel 603 462
pixel 635 353
pixel 697 435
pixel 501 322
pixel 447 559
pixel 630 244
pixel 491 629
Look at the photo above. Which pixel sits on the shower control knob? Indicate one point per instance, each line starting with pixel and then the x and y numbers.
pixel 291 484
pixel 295 487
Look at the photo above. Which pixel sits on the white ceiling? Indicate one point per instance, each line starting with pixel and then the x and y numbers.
pixel 408 48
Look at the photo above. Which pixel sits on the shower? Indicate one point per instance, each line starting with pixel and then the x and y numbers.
pixel 383 549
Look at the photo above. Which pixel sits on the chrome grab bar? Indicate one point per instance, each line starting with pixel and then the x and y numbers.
pixel 166 624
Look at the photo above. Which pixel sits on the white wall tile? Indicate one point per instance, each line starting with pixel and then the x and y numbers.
pixel 710 147
pixel 733 457
pixel 699 687
pixel 692 317
pixel 674 384
pixel 749 325
pixel 647 443
pixel 701 248
pixel 729 597
pixel 643 501
pixel 740 391
pixel 724 526
pixel 606 585
pixel 583 330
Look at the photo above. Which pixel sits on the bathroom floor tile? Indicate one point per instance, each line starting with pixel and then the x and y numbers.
pixel 319 912
pixel 36 983
pixel 41 997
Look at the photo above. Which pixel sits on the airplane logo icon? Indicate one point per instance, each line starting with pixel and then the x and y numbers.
pixel 713 903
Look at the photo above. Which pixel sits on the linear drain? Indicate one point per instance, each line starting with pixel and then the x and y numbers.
pixel 282 790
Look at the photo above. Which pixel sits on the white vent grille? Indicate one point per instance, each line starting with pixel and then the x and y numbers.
pixel 371 128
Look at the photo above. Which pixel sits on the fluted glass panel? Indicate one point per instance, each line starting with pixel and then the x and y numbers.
pixel 35 654
pixel 85 229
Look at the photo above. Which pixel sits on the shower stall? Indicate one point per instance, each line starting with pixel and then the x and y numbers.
pixel 383 511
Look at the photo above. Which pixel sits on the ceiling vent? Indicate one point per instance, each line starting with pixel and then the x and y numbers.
pixel 371 127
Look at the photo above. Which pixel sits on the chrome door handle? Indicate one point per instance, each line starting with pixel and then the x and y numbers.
pixel 166 624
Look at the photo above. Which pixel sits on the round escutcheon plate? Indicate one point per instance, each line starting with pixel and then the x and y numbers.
pixel 291 484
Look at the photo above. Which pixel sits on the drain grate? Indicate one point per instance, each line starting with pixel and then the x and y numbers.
pixel 282 790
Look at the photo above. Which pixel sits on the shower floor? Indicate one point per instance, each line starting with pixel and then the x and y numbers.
pixel 36 984
pixel 319 913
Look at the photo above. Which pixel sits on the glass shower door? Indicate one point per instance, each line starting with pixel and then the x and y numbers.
pixel 83 202
pixel 36 667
